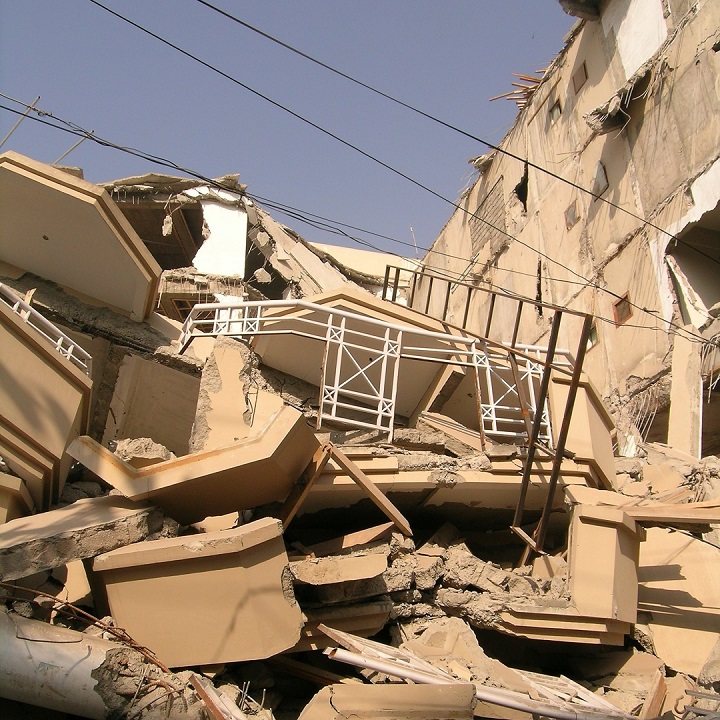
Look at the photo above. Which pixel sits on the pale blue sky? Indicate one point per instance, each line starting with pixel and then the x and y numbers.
pixel 446 58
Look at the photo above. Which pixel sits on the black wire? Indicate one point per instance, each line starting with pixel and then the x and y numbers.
pixel 365 154
pixel 448 125
pixel 78 131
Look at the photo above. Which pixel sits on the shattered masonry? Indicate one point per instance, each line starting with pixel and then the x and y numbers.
pixel 235 482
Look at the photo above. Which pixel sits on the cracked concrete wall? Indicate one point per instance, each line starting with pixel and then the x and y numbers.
pixel 652 161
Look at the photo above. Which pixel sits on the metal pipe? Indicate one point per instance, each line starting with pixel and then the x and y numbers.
pixel 51 667
pixel 495 696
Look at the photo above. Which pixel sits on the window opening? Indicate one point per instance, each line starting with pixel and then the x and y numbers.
pixel 592 336
pixel 555 111
pixel 579 78
pixel 571 215
pixel 622 310
pixel 600 182
pixel 521 189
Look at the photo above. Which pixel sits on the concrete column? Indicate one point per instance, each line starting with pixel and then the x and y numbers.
pixel 685 423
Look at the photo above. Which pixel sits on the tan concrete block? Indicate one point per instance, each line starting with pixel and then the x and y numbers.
pixel 81 530
pixel 603 560
pixel 392 702
pixel 680 588
pixel 205 599
pixel 241 476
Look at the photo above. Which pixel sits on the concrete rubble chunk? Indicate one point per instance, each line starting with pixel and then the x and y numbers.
pixel 141 452
pixel 241 476
pixel 323 571
pixel 82 530
pixel 71 672
pixel 205 599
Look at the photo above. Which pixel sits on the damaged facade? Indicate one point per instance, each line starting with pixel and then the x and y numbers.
pixel 306 501
pixel 614 214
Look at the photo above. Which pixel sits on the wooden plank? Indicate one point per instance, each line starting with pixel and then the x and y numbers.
pixel 655 698
pixel 302 487
pixel 372 491
pixel 352 540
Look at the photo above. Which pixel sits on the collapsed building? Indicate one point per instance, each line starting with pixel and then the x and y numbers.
pixel 237 483
pixel 603 197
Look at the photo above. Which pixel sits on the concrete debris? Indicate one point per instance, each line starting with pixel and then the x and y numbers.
pixel 302 466
pixel 84 529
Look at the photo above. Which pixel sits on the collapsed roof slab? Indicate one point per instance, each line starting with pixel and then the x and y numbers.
pixel 259 470
pixel 205 599
pixel 680 592
pixel 84 529
pixel 306 359
pixel 392 702
pixel 464 494
pixel 69 231
pixel 44 404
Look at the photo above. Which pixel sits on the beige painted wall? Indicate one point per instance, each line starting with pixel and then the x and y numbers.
pixel 70 231
pixel 44 405
pixel 651 164
pixel 151 400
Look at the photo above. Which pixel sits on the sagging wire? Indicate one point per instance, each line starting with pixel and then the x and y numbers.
pixel 77 130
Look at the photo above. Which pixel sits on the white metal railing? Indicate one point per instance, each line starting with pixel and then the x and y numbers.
pixel 65 345
pixel 361 359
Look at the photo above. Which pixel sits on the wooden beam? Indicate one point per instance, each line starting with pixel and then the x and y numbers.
pixel 302 487
pixel 371 490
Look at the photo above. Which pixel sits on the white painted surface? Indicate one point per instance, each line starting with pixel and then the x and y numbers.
pixel 639 28
pixel 50 667
pixel 223 252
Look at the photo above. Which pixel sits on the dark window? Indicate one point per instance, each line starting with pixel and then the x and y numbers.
pixel 600 181
pixel 571 215
pixel 592 337
pixel 579 78
pixel 622 310
pixel 555 111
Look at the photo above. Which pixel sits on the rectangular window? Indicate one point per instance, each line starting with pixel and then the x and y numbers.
pixel 579 78
pixel 555 111
pixel 592 337
pixel 571 215
pixel 600 181
pixel 622 310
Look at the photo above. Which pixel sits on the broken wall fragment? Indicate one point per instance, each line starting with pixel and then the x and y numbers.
pixel 205 599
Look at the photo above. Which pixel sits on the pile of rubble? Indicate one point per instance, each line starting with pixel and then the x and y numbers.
pixel 294 508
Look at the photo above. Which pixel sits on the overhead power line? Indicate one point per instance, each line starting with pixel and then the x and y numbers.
pixel 365 154
pixel 324 224
pixel 449 126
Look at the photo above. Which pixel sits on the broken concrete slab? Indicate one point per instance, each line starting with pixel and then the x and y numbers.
pixel 324 571
pixel 230 404
pixel 82 530
pixel 241 476
pixel 154 401
pixel 392 702
pixel 680 590
pixel 362 619
pixel 44 404
pixel 205 599
pixel 94 252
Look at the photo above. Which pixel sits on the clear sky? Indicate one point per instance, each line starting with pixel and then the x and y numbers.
pixel 447 58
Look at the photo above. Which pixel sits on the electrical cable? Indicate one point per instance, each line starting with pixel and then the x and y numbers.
pixel 448 125
pixel 78 131
pixel 366 154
